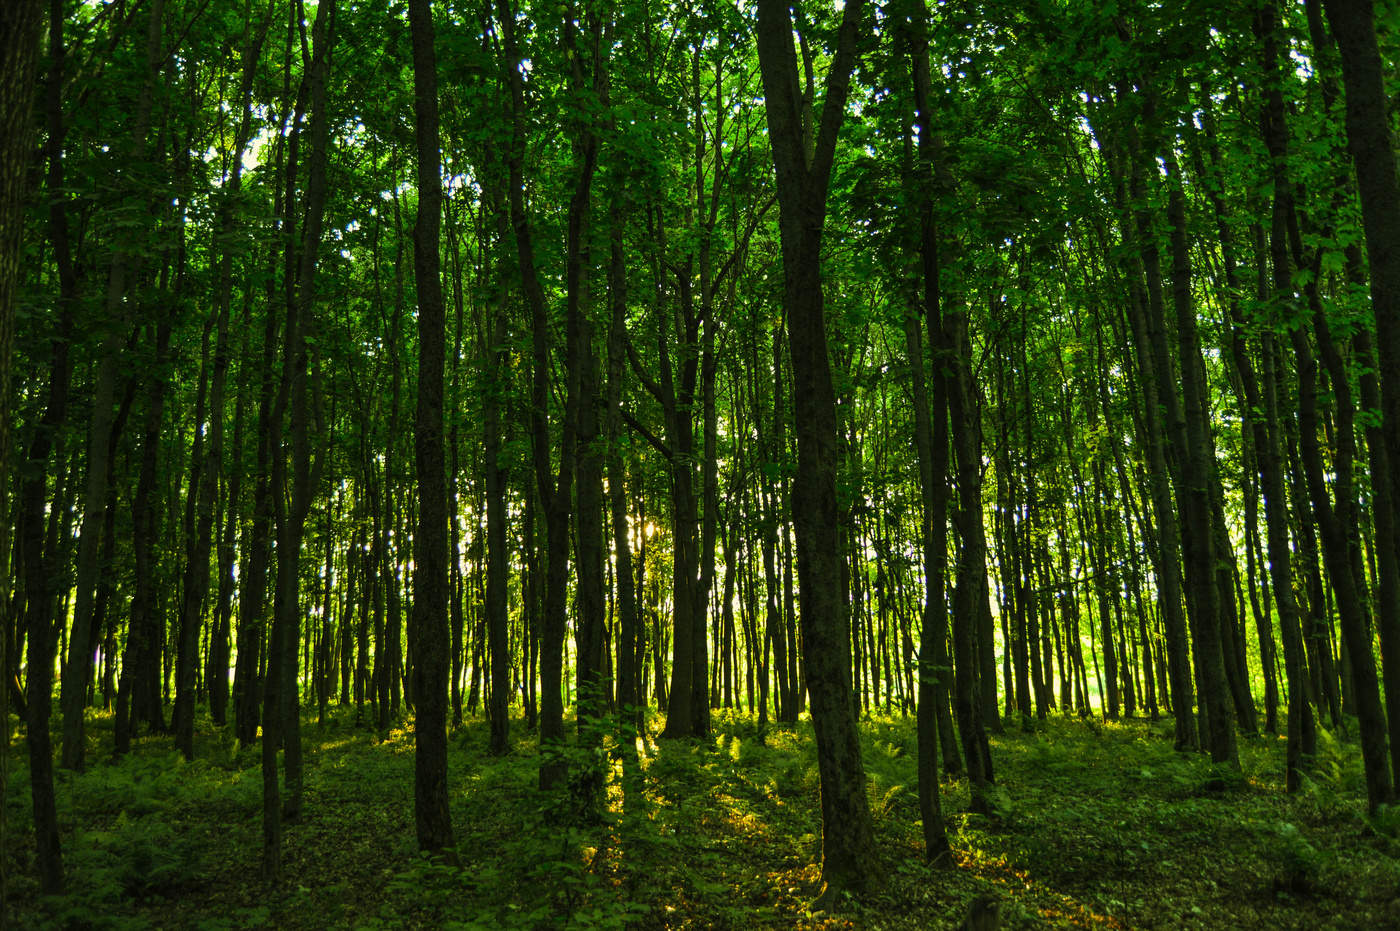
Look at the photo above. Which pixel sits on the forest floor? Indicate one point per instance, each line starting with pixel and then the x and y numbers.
pixel 1100 825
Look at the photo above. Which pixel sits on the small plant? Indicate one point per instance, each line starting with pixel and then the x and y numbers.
pixel 1385 822
pixel 1296 860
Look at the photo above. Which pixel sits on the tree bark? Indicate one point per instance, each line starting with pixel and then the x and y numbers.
pixel 78 663
pixel 1168 532
pixel 1372 151
pixel 38 576
pixel 629 698
pixel 803 158
pixel 292 497
pixel 428 622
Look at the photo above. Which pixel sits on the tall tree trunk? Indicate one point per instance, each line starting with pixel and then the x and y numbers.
pixel 38 577
pixel 970 596
pixel 206 468
pixel 428 623
pixel 802 156
pixel 198 532
pixel 139 693
pixel 1333 522
pixel 931 441
pixel 1168 532
pixel 629 698
pixel 1193 442
pixel 282 705
pixel 592 690
pixel 1372 151
pixel 1255 431
pixel 497 569
pixel 78 664
pixel 554 493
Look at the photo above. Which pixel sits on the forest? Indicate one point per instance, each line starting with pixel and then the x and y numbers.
pixel 688 464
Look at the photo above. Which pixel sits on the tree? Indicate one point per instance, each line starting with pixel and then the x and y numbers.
pixel 292 496
pixel 802 156
pixel 428 626
pixel 1368 136
pixel 20 24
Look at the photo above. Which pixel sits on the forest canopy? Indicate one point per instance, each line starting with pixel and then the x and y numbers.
pixel 618 374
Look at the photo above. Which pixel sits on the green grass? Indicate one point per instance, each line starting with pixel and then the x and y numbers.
pixel 1099 825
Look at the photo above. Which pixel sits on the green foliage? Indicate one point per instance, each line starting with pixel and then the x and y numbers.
pixel 1095 826
pixel 1298 861
pixel 1331 778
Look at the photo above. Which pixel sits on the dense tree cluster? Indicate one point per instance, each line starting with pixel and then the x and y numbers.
pixel 981 361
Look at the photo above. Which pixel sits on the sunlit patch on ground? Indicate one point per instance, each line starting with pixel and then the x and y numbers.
pixel 1100 826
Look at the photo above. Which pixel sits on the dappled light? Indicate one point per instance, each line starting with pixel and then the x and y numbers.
pixel 1099 827
pixel 480 464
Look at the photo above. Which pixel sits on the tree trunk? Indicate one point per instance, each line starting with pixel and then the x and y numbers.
pixel 428 622
pixel 38 580
pixel 292 499
pixel 803 158
pixel 553 492
pixel 1369 138
pixel 629 699
pixel 1193 442
pixel 1168 533
pixel 78 665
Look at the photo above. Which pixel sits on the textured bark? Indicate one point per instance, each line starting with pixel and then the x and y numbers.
pixel 933 533
pixel 1198 476
pixel 1372 151
pixel 1333 520
pixel 1265 457
pixel 1168 531
pixel 803 159
pixel 497 568
pixel 292 493
pixel 78 664
pixel 931 441
pixel 630 701
pixel 428 624
pixel 206 467
pixel 197 530
pixel 554 492
pixel 970 596
pixel 19 26
pixel 590 638
pixel 139 693
pixel 590 631
pixel 257 546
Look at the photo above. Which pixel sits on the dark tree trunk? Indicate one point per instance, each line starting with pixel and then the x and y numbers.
pixel 497 569
pixel 139 692
pixel 78 664
pixel 1300 724
pixel 428 622
pixel 629 698
pixel 1192 440
pixel 803 174
pixel 1168 532
pixel 252 640
pixel 592 689
pixel 970 596
pixel 1255 431
pixel 38 577
pixel 198 533
pixel 554 493
pixel 209 466
pixel 931 441
pixel 1372 151
pixel 292 497
pixel 1337 550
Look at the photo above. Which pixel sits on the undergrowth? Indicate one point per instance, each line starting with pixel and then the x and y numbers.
pixel 1096 825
